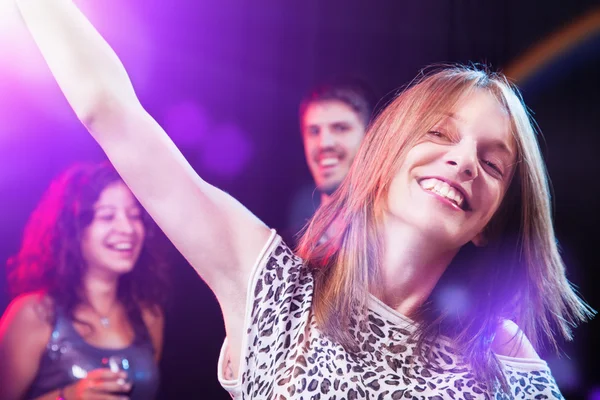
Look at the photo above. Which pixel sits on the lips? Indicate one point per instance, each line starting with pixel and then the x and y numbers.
pixel 120 246
pixel 328 158
pixel 328 162
pixel 453 193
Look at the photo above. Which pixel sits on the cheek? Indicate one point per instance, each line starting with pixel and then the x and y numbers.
pixel 140 230
pixel 492 200
pixel 93 236
pixel 87 246
pixel 353 141
pixel 395 194
pixel 86 238
pixel 309 149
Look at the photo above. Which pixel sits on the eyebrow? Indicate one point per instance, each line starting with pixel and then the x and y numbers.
pixel 452 115
pixel 496 144
pixel 500 145
pixel 338 121
pixel 112 208
pixel 101 206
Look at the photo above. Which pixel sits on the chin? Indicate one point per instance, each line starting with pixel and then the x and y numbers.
pixel 329 187
pixel 121 269
pixel 445 236
pixel 432 226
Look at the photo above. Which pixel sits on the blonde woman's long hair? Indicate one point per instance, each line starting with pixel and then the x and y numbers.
pixel 519 275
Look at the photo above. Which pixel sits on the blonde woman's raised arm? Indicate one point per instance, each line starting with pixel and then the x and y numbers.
pixel 218 236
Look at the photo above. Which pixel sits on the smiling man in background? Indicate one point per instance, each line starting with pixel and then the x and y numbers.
pixel 333 122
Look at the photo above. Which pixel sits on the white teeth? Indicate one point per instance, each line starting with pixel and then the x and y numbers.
pixel 428 183
pixel 452 195
pixel 327 162
pixel 443 189
pixel 122 246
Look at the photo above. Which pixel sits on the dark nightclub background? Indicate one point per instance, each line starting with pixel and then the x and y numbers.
pixel 225 78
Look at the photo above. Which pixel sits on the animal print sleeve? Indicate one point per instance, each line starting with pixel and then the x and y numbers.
pixel 278 312
pixel 530 379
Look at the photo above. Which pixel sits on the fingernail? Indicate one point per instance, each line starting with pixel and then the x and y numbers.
pixel 121 381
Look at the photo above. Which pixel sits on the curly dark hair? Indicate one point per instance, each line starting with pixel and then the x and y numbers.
pixel 50 258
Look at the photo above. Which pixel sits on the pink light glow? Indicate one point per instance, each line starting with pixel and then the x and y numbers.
pixel 26 84
pixel 20 61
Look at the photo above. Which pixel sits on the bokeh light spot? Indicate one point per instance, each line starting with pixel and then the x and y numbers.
pixel 228 151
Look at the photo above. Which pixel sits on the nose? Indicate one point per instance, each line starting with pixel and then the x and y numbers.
pixel 463 157
pixel 123 224
pixel 326 139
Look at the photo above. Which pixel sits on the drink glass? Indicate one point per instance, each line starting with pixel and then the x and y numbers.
pixel 117 364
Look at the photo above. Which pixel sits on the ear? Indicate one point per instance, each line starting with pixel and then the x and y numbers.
pixel 480 240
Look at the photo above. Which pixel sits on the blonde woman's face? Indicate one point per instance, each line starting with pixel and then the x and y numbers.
pixel 453 181
pixel 112 242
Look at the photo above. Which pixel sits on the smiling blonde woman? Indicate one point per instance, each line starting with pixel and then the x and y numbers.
pixel 448 194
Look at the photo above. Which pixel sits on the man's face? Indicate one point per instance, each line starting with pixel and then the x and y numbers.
pixel 332 132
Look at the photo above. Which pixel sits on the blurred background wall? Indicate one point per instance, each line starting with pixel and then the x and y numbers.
pixel 225 78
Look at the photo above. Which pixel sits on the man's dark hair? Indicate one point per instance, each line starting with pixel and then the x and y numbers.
pixel 351 91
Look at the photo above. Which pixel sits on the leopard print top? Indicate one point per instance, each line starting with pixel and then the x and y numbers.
pixel 285 356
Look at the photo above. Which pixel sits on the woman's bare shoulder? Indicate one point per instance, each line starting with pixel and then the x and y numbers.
pixel 35 308
pixel 28 318
pixel 152 314
pixel 511 341
pixel 154 319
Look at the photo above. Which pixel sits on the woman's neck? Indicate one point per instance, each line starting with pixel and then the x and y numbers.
pixel 411 267
pixel 101 292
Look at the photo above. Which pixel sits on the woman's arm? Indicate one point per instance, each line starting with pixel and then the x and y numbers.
pixel 219 237
pixel 24 333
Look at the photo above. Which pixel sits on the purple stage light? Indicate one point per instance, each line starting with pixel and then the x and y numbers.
pixel 565 372
pixel 227 152
pixel 454 298
pixel 594 394
pixel 123 25
pixel 224 150
pixel 187 124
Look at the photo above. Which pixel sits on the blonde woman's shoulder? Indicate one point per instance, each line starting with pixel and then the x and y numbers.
pixel 510 341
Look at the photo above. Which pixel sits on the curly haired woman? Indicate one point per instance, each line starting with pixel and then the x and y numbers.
pixel 89 284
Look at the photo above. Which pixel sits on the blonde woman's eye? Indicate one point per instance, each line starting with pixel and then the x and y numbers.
pixel 436 134
pixel 495 167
